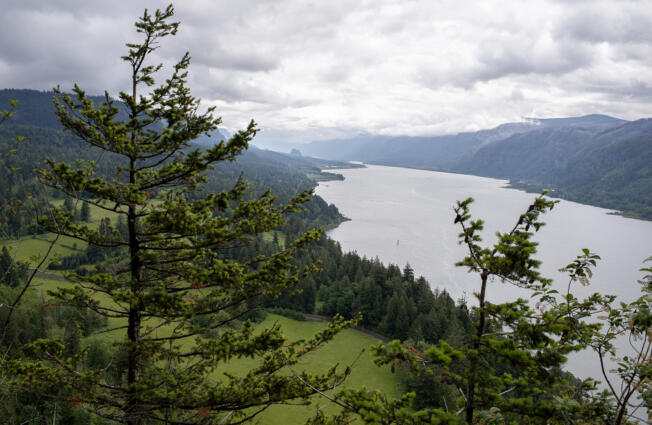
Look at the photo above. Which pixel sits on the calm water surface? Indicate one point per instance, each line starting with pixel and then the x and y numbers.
pixel 402 215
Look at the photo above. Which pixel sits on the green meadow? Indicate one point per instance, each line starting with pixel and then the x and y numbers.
pixel 32 248
pixel 350 347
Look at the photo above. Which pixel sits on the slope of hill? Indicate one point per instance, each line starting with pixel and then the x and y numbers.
pixel 594 159
pixel 34 120
pixel 540 154
pixel 35 107
pixel 612 170
pixel 534 155
pixel 435 153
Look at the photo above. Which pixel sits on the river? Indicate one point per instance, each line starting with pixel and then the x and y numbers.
pixel 406 216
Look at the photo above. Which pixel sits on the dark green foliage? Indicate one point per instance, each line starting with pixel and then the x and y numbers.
pixel 429 388
pixel 71 339
pixel 595 159
pixel 510 369
pixel 176 295
pixel 12 273
pixel 69 206
pixel 32 320
pixel 408 273
pixel 399 314
pixel 85 212
pixel 286 312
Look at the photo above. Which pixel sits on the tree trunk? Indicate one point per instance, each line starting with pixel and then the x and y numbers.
pixel 473 368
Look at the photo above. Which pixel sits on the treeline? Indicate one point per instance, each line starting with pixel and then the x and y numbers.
pixel 35 318
pixel 33 134
pixel 391 302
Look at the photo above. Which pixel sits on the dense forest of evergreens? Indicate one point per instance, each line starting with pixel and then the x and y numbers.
pixel 391 301
pixel 166 286
pixel 32 135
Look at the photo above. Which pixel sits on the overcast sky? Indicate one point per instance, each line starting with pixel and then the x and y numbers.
pixel 327 68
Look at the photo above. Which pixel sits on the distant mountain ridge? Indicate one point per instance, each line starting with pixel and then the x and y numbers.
pixel 43 137
pixel 595 159
pixel 36 108
pixel 542 154
pixel 439 152
pixel 35 118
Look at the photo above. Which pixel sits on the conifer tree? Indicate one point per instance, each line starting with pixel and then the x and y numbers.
pixel 408 273
pixel 85 212
pixel 173 297
pixel 11 272
pixel 69 206
pixel 511 370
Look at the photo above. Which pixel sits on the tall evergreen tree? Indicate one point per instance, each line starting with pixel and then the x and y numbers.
pixel 69 205
pixel 11 271
pixel 510 372
pixel 85 212
pixel 408 273
pixel 173 274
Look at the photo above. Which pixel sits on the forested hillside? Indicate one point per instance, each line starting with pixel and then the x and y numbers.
pixel 156 269
pixel 595 159
pixel 33 134
pixel 36 107
pixel 610 168
pixel 393 302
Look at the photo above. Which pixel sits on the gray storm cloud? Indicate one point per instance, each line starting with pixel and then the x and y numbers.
pixel 388 67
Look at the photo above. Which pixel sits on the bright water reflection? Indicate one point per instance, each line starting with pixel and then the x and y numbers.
pixel 403 215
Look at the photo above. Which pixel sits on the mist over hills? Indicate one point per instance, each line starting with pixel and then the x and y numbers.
pixel 594 159
pixel 43 137
pixel 36 108
pixel 547 154
pixel 441 152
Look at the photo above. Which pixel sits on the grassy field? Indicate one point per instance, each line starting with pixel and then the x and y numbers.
pixel 344 350
pixel 348 347
pixel 322 177
pixel 32 248
pixel 269 237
